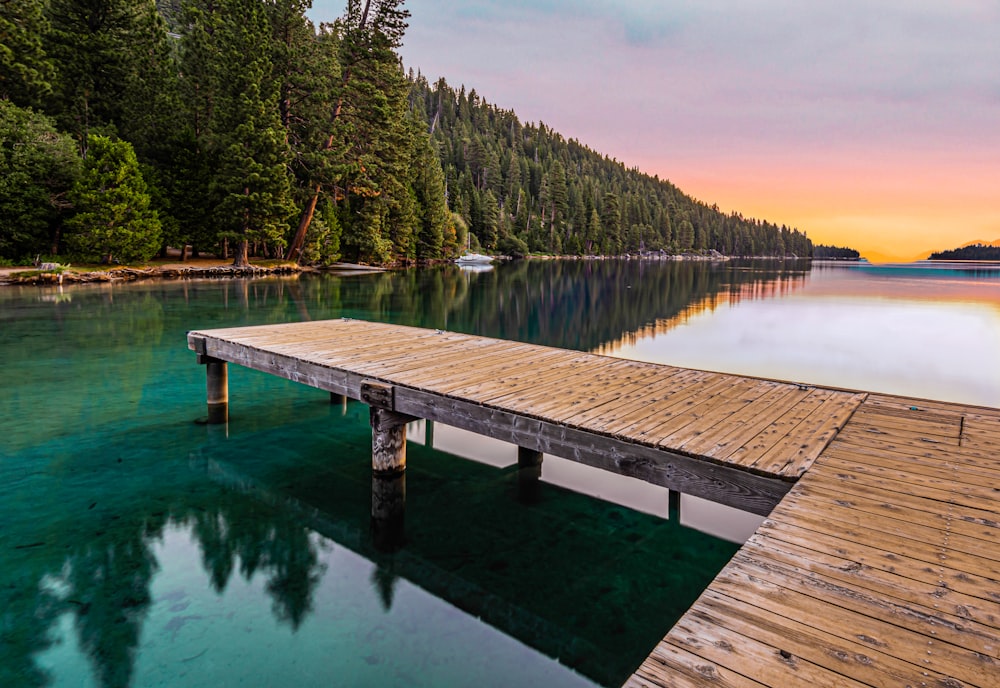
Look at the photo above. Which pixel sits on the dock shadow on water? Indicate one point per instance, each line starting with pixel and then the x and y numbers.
pixel 139 548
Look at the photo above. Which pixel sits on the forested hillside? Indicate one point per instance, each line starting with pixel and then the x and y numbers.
pixel 523 187
pixel 240 128
pixel 978 251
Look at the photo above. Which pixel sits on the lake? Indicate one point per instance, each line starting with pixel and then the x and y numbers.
pixel 140 548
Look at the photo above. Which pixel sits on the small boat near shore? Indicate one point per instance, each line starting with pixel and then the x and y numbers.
pixel 474 259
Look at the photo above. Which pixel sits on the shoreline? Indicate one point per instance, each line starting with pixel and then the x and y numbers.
pixel 206 269
pixel 213 269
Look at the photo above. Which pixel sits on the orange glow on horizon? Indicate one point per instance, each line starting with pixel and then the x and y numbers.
pixel 897 210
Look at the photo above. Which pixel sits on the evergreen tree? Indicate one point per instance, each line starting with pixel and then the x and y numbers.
pixel 373 87
pixel 253 181
pixel 113 220
pixel 25 70
pixel 90 43
pixel 429 195
pixel 38 167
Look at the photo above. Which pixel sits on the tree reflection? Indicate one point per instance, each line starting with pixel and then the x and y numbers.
pixel 575 304
pixel 105 584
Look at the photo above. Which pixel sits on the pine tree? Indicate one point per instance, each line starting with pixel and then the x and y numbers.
pixel 90 43
pixel 428 189
pixel 368 35
pixel 26 71
pixel 113 220
pixel 253 181
pixel 38 167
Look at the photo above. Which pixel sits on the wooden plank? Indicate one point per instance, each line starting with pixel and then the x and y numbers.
pixel 712 637
pixel 890 585
pixel 918 470
pixel 670 666
pixel 750 453
pixel 916 619
pixel 749 392
pixel 918 543
pixel 654 400
pixel 943 574
pixel 840 660
pixel 796 452
pixel 630 396
pixel 937 452
pixel 586 391
pixel 485 388
pixel 746 424
pixel 862 619
pixel 954 463
pixel 854 503
pixel 942 491
pixel 673 405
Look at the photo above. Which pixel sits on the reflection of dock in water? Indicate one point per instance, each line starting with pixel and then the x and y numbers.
pixel 879 567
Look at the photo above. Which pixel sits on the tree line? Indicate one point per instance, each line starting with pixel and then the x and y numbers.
pixel 524 187
pixel 241 127
pixel 973 252
pixel 822 252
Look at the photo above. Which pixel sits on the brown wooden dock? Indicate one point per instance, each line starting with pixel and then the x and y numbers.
pixel 731 439
pixel 879 567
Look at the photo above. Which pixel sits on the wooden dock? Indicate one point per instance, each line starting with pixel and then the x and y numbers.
pixel 879 566
pixel 727 438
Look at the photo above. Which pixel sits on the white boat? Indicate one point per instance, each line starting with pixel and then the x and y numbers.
pixel 474 259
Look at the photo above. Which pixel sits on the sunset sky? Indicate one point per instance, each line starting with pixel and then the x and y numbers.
pixel 869 124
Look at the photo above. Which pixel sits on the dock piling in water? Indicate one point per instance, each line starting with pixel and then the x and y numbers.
pixel 217 388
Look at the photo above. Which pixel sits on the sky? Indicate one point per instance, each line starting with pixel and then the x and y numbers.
pixel 873 124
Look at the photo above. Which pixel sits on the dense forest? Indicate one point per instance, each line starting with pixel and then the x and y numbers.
pixel 821 252
pixel 239 128
pixel 973 252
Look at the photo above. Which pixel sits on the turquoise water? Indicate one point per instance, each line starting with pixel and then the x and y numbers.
pixel 138 548
pixel 143 549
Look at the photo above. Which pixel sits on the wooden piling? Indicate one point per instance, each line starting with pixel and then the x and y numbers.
pixel 217 388
pixel 388 441
pixel 527 458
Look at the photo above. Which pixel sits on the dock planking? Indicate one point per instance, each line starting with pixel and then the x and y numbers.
pixel 880 566
pixel 626 416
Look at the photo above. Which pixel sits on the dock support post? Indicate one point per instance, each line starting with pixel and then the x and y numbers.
pixel 674 509
pixel 529 474
pixel 388 441
pixel 528 458
pixel 217 388
pixel 388 465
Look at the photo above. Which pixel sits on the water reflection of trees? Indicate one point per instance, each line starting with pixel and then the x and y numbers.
pixel 570 304
pixel 105 583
